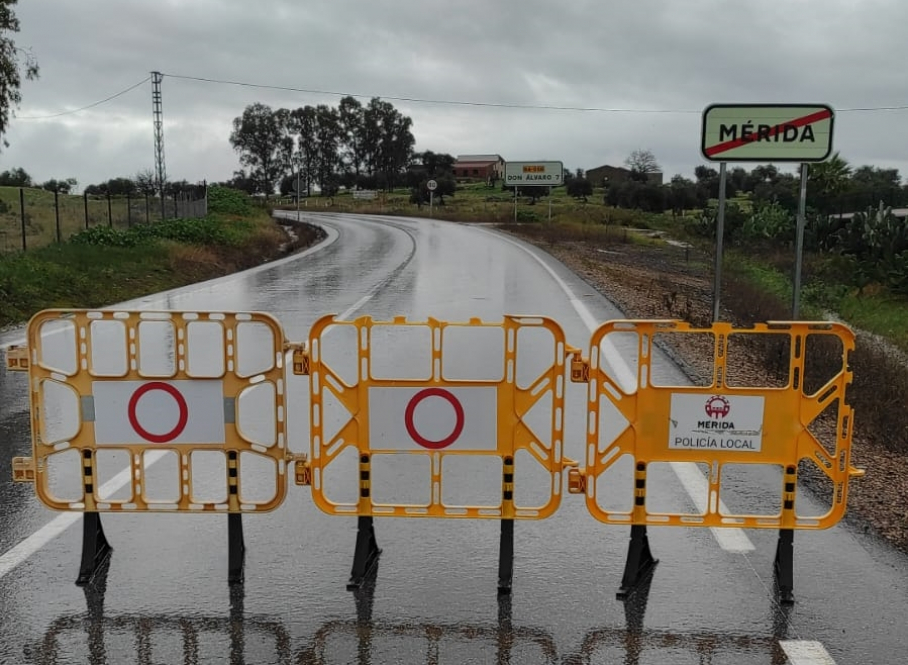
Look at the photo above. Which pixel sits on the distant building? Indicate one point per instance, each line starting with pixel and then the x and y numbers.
pixel 615 174
pixel 479 167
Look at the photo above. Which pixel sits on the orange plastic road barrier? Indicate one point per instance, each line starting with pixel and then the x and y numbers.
pixel 725 421
pixel 155 411
pixel 466 415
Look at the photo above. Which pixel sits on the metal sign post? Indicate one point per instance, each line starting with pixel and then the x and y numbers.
pixel 297 195
pixel 431 186
pixel 533 174
pixel 766 133
pixel 720 233
pixel 799 243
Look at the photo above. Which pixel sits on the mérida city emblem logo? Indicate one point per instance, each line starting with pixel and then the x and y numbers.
pixel 722 422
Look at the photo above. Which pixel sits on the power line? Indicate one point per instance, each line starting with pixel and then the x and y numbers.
pixel 84 108
pixel 420 100
pixel 486 104
pixel 451 102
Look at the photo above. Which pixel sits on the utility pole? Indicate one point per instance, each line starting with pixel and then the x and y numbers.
pixel 157 106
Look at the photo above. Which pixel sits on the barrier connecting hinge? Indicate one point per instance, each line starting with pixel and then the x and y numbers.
pixel 302 472
pixel 300 357
pixel 17 359
pixel 576 481
pixel 23 470
pixel 580 367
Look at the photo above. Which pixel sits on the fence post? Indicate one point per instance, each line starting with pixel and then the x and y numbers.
pixel 85 201
pixel 109 212
pixel 22 215
pixel 128 211
pixel 175 212
pixel 57 212
pixel 147 209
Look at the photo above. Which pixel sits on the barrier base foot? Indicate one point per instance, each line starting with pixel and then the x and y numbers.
pixel 784 566
pixel 640 562
pixel 365 557
pixel 236 554
pixel 506 557
pixel 95 548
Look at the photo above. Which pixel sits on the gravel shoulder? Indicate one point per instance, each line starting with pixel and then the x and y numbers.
pixel 668 281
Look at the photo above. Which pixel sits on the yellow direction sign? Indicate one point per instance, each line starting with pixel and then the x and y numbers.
pixel 767 132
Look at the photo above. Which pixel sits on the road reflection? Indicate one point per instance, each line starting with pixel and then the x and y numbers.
pixel 634 645
pixel 238 638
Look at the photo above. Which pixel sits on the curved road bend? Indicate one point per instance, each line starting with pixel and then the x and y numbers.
pixel 165 597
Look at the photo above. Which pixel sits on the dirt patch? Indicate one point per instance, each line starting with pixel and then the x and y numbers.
pixel 676 282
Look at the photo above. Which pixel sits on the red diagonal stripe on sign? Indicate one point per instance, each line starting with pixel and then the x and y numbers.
pixel 797 122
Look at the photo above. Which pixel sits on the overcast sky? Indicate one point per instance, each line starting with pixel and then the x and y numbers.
pixel 670 56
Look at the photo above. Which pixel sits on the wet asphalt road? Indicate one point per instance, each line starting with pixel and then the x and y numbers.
pixel 165 597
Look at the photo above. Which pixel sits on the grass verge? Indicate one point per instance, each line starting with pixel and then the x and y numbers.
pixel 105 265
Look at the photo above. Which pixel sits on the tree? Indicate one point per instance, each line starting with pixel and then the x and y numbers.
pixel 146 182
pixel 61 186
pixel 638 195
pixel 740 179
pixel 327 137
pixel 114 187
pixel 16 177
pixel 120 186
pixel 579 187
pixel 257 136
pixel 446 187
pixel 682 195
pixel 871 185
pixel 828 180
pixel 387 142
pixel 532 192
pixel 705 174
pixel 707 186
pixel 171 188
pixel 641 163
pixel 434 164
pixel 301 125
pixel 367 146
pixel 768 173
pixel 10 66
pixel 351 122
pixel 242 182
pixel 782 189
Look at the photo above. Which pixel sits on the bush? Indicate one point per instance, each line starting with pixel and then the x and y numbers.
pixel 527 216
pixel 105 236
pixel 228 201
pixel 770 222
pixel 704 225
pixel 207 231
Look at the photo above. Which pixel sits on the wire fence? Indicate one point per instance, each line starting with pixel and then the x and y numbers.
pixel 31 218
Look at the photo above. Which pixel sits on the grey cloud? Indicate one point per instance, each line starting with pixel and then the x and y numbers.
pixel 652 54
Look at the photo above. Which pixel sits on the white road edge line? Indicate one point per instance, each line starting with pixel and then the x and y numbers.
pixel 806 652
pixel 730 539
pixel 21 552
